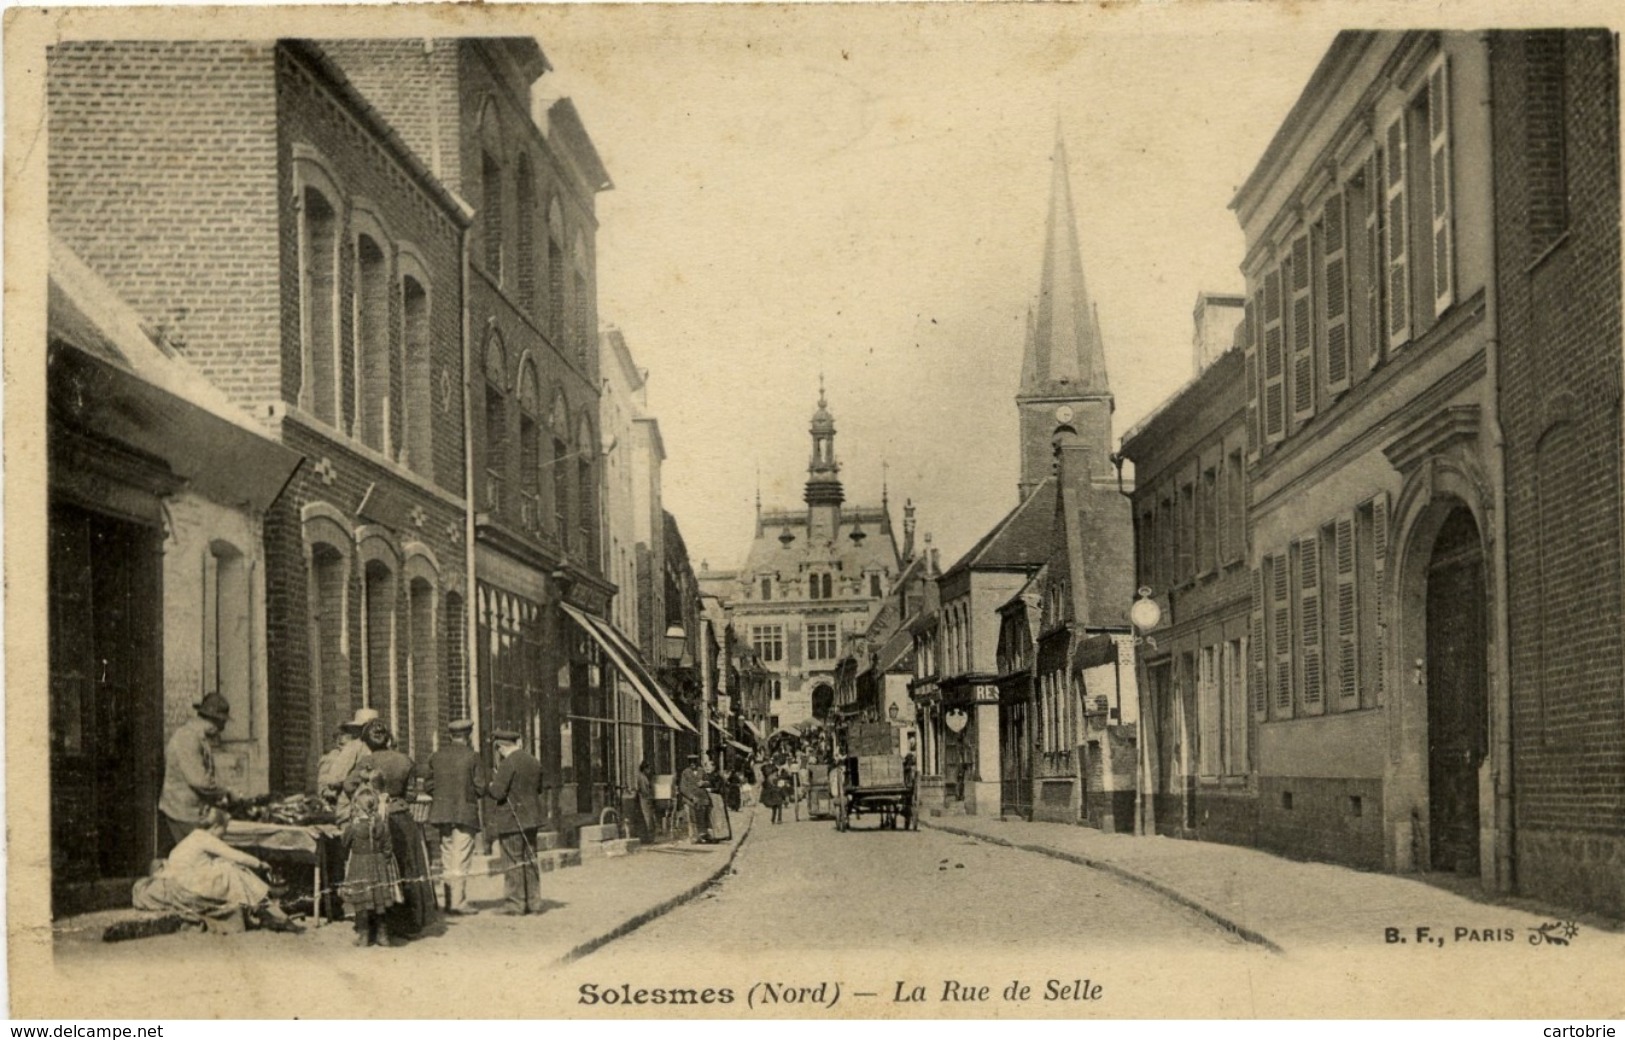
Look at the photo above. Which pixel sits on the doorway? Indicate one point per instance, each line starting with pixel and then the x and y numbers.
pixel 1458 696
pixel 106 706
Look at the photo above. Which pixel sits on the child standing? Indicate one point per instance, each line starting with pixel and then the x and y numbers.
pixel 372 882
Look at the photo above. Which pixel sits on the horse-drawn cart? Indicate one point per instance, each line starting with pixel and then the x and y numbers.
pixel 877 776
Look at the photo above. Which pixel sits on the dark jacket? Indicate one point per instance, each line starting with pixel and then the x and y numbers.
pixel 397 776
pixel 455 777
pixel 516 789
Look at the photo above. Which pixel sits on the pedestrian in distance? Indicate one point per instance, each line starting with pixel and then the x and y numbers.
pixel 691 786
pixel 455 779
pixel 773 795
pixel 646 801
pixel 516 791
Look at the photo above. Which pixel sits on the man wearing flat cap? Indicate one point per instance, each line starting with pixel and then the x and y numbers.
pixel 455 777
pixel 191 787
pixel 516 789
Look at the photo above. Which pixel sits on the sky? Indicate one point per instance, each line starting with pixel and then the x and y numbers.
pixel 861 192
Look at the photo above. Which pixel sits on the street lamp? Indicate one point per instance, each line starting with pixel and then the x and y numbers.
pixel 1144 615
pixel 676 644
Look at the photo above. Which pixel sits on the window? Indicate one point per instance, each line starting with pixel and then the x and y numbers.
pixel 821 641
pixel 372 350
pixel 1208 526
pixel 586 493
pixel 530 449
pixel 378 641
pixel 1208 712
pixel 561 491
pixel 813 587
pixel 776 687
pixel 417 421
pixel 829 582
pixel 227 636
pixel 767 588
pixel 1301 330
pixel 525 235
pixel 491 214
pixel 496 424
pixel 1235 519
pixel 555 271
pixel 1280 635
pixel 1233 700
pixel 423 713
pixel 1187 533
pixel 1370 561
pixel 768 641
pixel 874 586
pixel 319 288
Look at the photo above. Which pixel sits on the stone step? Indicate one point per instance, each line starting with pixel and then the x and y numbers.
pixel 609 849
pixel 594 832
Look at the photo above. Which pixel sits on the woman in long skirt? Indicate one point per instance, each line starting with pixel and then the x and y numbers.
pixel 394 774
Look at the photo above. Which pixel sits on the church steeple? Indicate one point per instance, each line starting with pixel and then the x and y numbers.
pixel 1064 395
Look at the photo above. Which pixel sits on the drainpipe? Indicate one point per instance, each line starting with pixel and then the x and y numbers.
pixel 471 601
pixel 1501 704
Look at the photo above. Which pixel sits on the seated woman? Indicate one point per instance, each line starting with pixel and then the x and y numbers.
pixel 205 877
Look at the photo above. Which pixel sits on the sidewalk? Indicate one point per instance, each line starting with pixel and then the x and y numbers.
pixel 584 907
pixel 1285 905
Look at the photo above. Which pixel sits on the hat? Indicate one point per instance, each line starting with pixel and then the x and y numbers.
pixel 461 725
pixel 362 717
pixel 213 707
pixel 510 736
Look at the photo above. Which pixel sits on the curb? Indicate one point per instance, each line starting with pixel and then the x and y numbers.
pixel 1124 874
pixel 637 921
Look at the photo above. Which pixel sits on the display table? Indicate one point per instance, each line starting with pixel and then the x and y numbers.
pixel 314 845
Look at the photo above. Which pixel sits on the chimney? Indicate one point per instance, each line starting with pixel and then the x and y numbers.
pixel 908 530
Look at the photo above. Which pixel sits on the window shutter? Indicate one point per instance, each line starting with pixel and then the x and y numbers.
pixel 1335 243
pixel 1399 309
pixel 1375 267
pixel 1274 361
pixel 1260 668
pixel 1379 559
pixel 1281 637
pixel 1303 333
pixel 1348 652
pixel 1208 708
pixel 1444 281
pixel 1309 620
pixel 1249 331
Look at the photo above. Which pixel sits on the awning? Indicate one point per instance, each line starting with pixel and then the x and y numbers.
pixel 756 731
pixel 730 741
pixel 627 663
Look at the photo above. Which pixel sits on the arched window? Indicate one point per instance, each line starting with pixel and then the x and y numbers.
pixel 379 590
pixel 416 422
pixel 490 217
pixel 525 235
pixel 228 636
pixel 374 357
pixel 496 422
pixel 424 671
pixel 559 421
pixel 456 688
pixel 556 282
pixel 587 490
pixel 327 582
pixel 530 447
pixel 318 301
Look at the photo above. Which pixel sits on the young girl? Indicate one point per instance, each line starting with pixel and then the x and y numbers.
pixel 372 882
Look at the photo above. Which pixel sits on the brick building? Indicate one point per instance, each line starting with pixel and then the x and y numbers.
pixel 245 198
pixel 1557 293
pixel 1191 552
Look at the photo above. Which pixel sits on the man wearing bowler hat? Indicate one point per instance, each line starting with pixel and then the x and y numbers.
pixel 191 788
pixel 516 789
pixel 455 777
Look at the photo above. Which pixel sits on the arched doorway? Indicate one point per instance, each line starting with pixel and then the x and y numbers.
pixel 1458 695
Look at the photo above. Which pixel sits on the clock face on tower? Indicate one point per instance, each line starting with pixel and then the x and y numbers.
pixel 1063 414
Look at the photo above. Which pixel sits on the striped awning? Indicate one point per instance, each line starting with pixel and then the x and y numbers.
pixel 625 657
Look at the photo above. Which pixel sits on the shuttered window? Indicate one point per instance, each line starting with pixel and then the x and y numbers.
pixel 1398 235
pixel 1334 291
pixel 1249 330
pixel 1311 665
pixel 1274 361
pixel 1302 332
pixel 1376 269
pixel 1281 635
pixel 1207 710
pixel 1441 185
pixel 1347 626
pixel 1259 664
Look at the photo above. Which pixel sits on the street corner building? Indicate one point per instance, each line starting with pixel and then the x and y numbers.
pixel 1384 528
pixel 325 427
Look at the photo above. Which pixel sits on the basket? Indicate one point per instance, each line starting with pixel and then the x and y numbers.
pixel 420 810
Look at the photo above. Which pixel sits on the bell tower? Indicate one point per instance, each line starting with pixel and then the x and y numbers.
pixel 824 494
pixel 1064 397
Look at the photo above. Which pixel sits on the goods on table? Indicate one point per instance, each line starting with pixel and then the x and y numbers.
pixel 296 809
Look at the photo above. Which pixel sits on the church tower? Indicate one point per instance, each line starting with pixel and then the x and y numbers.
pixel 1064 396
pixel 824 494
